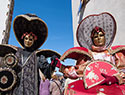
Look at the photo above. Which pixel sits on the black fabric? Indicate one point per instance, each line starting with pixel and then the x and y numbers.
pixel 47 53
pixel 45 67
pixel 27 83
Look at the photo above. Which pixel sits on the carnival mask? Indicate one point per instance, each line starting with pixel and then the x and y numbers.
pixel 99 39
pixel 28 40
pixel 98 36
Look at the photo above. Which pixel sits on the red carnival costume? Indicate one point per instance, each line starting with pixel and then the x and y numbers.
pixel 102 66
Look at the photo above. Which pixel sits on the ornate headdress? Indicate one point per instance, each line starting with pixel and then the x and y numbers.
pixel 30 24
pixel 97 29
pixel 104 20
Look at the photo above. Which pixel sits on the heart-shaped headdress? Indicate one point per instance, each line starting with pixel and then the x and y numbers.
pixel 30 24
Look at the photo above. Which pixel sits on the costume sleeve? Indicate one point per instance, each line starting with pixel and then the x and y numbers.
pixel 120 77
pixel 120 63
pixel 44 66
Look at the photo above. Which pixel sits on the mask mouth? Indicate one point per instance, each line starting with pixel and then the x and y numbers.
pixel 100 43
pixel 28 44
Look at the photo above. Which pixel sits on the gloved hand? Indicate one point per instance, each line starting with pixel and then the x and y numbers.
pixel 108 79
pixel 55 62
pixel 70 72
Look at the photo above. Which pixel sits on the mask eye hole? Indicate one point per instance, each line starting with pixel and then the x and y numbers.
pixel 30 39
pixel 26 38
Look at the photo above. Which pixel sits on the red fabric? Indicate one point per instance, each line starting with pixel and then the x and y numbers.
pixel 98 49
pixel 52 62
pixel 109 79
pixel 79 48
pixel 75 53
pixel 93 72
pixel 77 88
pixel 118 46
pixel 58 63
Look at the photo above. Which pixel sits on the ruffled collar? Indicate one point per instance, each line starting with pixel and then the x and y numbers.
pixel 98 49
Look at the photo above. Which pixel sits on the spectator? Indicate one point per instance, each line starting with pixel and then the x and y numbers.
pixel 55 86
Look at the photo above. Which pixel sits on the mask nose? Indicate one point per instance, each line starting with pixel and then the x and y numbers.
pixel 99 37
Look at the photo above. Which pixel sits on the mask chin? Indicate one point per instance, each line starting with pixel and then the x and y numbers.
pixel 100 45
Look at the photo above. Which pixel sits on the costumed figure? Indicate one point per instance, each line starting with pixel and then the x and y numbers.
pixel 46 70
pixel 31 32
pixel 101 67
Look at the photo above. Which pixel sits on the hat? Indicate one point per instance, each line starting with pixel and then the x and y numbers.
pixel 6 49
pixel 30 24
pixel 76 53
pixel 47 53
pixel 104 20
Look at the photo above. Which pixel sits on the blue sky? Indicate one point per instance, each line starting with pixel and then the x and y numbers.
pixel 57 15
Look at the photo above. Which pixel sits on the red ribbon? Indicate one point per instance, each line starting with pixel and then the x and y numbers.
pixel 30 34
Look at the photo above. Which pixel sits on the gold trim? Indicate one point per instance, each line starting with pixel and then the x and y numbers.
pixel 117 50
pixel 14 78
pixel 16 60
pixel 7 45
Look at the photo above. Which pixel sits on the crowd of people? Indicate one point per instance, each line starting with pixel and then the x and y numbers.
pixel 53 86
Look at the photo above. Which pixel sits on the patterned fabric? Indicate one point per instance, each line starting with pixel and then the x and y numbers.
pixel 28 82
pixel 103 56
pixel 104 20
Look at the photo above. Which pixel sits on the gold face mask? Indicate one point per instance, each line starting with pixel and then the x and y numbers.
pixel 28 41
pixel 99 39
